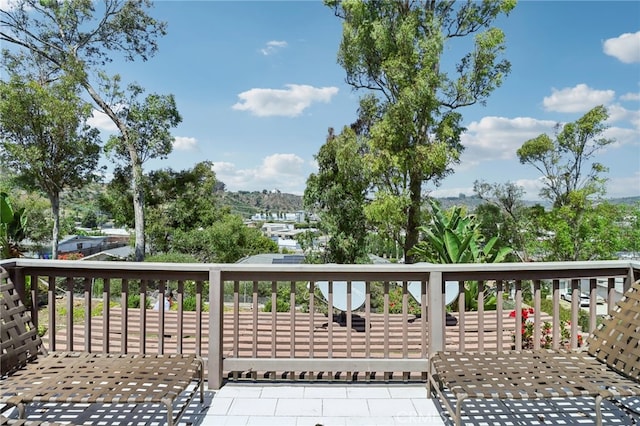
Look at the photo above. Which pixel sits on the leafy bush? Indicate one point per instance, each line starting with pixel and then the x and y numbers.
pixel 189 304
pixel 133 301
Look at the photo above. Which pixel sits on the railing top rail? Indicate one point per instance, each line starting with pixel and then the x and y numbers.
pixel 530 270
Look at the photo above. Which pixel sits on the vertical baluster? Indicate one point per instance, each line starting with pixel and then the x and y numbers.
pixel 124 309
pixel 611 293
pixel 51 293
pixel 106 314
pixel 593 305
pixel 161 311
pixel 34 299
pixel 556 315
pixel 348 317
pixel 537 306
pixel 292 312
pixel 69 296
pixel 330 318
pixel 499 314
pixel 254 327
pixel 461 316
pixel 519 324
pixel 405 320
pixel 180 322
pixel 312 313
pixel 575 309
pixel 236 318
pixel 199 306
pixel 143 316
pixel 481 315
pixel 274 318
pixel 367 320
pixel 423 320
pixel 87 314
pixel 386 318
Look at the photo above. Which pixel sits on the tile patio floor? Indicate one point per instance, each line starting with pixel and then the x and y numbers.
pixel 307 404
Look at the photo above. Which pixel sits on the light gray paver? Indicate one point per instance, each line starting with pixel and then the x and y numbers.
pixel 299 407
pixel 253 407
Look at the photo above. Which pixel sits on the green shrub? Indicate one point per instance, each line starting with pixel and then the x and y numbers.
pixel 133 301
pixel 189 304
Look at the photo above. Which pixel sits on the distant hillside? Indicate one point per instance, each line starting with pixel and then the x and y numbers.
pixel 248 203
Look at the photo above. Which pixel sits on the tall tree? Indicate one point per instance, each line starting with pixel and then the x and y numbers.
pixel 80 37
pixel 572 182
pixel 504 213
pixel 46 138
pixel 337 192
pixel 566 163
pixel 394 51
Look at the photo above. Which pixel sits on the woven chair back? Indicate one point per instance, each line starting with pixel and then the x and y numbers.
pixel 617 341
pixel 20 342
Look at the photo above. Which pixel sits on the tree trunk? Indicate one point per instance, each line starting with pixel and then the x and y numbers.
pixel 138 211
pixel 55 235
pixel 136 184
pixel 413 217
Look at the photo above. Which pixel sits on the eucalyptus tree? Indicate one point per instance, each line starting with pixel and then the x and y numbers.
pixel 337 193
pixel 572 181
pixel 505 212
pixel 570 174
pixel 80 37
pixel 46 140
pixel 395 51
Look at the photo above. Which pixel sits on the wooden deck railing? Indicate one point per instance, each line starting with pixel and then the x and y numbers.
pixel 388 338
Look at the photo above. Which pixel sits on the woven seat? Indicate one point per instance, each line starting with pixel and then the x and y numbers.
pixel 609 368
pixel 32 375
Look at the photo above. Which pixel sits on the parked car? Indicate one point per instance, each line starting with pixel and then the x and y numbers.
pixel 585 299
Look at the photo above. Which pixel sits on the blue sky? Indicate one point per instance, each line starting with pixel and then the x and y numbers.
pixel 257 85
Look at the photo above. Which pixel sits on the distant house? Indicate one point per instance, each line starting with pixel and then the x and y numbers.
pixel 77 243
pixel 273 258
pixel 86 245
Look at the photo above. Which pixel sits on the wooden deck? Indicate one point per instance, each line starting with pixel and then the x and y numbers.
pixel 300 335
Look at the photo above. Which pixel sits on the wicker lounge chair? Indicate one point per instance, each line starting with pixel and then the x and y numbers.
pixel 608 368
pixel 29 374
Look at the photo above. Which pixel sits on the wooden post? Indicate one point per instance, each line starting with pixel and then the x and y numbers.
pixel 216 310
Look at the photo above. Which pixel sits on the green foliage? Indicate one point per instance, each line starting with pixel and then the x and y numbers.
pixel 133 301
pixel 504 214
pixel 12 228
pixel 568 234
pixel 563 161
pixel 546 305
pixel 189 304
pixel 337 192
pixel 77 39
pixel 283 297
pixel 45 135
pixel 454 237
pixel 408 117
pixel 225 241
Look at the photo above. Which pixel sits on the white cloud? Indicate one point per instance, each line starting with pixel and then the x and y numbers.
pixel 494 138
pixel 624 186
pixel 630 97
pixel 8 5
pixel 576 99
pixel 272 47
pixel 287 103
pixel 182 143
pixel 101 121
pixel 625 48
pixel 278 171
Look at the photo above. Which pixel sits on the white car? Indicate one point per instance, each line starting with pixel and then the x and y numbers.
pixel 585 299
